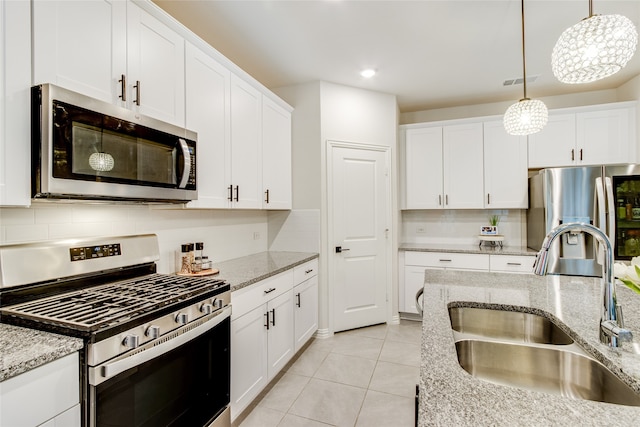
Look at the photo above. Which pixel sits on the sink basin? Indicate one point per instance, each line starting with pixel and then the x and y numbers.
pixel 547 369
pixel 507 325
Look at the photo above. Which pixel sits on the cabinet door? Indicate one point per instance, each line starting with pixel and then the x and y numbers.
pixel 306 311
pixel 603 137
pixel 505 168
pixel 15 102
pixel 248 358
pixel 555 145
pixel 81 46
pixel 276 155
pixel 207 113
pixel 463 168
pixel 413 281
pixel 280 333
pixel 423 168
pixel 155 61
pixel 246 154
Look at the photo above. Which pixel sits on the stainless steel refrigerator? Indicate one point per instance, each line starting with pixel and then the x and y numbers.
pixel 605 196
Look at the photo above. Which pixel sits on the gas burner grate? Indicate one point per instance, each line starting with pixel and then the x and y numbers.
pixel 114 303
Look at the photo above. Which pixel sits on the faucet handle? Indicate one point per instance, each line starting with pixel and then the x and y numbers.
pixel 612 330
pixel 619 316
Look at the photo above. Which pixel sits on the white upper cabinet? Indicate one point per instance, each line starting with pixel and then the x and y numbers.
pixel 155 62
pixel 463 168
pixel 208 86
pixel 15 80
pixel 81 46
pixel 444 167
pixel 603 134
pixel 423 168
pixel 245 182
pixel 505 168
pixel 276 156
pixel 88 47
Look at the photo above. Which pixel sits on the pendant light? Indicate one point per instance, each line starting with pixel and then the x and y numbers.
pixel 594 48
pixel 526 116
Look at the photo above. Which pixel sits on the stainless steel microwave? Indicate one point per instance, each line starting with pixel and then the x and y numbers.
pixel 83 148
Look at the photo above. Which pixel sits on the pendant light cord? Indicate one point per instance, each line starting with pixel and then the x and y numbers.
pixel 524 64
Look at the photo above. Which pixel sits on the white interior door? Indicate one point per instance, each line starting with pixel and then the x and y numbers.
pixel 359 203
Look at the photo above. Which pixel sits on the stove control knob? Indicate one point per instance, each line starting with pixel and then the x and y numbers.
pixel 130 341
pixel 206 308
pixel 217 303
pixel 153 332
pixel 182 318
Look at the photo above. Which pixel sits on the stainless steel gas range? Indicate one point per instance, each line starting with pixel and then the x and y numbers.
pixel 156 347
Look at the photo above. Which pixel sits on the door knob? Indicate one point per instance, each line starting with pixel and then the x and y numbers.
pixel 340 249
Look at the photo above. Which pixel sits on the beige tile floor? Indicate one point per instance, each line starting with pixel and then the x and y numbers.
pixel 364 377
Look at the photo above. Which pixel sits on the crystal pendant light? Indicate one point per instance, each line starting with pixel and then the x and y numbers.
pixel 526 116
pixel 101 162
pixel 594 48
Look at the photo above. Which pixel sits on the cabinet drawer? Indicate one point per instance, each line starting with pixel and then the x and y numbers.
pixel 512 263
pixel 456 261
pixel 305 271
pixel 250 297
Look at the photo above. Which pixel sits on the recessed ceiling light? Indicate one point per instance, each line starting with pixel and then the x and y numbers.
pixel 368 73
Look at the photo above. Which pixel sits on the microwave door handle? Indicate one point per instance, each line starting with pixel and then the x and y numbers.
pixel 611 231
pixel 186 170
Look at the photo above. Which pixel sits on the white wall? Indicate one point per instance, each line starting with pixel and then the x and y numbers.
pixel 226 233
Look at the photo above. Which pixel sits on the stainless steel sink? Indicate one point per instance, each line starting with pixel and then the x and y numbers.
pixel 544 368
pixel 507 325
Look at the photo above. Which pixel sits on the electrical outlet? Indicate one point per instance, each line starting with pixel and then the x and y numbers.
pixel 256 235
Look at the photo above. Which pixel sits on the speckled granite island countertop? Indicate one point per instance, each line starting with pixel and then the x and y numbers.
pixel 449 396
pixel 467 249
pixel 244 271
pixel 23 349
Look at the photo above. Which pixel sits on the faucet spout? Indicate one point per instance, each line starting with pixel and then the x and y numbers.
pixel 612 331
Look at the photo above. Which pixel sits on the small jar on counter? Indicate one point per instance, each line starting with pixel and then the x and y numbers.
pixel 185 259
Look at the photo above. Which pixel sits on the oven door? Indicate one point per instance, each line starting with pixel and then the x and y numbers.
pixel 182 380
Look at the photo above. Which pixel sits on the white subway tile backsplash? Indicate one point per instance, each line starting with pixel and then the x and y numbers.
pixel 25 233
pixel 16 216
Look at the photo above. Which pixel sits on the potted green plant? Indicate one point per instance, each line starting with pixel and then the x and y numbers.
pixel 492 229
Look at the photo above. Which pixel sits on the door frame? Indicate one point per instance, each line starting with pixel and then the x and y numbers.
pixel 331 268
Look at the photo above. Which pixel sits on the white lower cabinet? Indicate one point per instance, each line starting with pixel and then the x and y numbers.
pixel 45 396
pixel 413 265
pixel 305 296
pixel 261 337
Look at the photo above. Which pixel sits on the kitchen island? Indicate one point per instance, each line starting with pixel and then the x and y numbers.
pixel 449 396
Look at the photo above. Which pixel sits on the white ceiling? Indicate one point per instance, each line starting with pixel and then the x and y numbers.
pixel 431 54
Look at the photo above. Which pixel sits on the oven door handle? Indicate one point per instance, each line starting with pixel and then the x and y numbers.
pixel 102 373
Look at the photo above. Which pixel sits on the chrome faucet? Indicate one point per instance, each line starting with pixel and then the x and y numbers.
pixel 612 330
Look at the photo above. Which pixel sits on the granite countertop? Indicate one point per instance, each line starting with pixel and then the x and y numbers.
pixel 467 249
pixel 23 349
pixel 247 270
pixel 450 396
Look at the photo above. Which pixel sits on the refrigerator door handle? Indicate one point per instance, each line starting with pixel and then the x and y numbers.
pixel 611 208
pixel 600 216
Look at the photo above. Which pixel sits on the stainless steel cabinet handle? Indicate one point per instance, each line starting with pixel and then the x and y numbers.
pixel 123 87
pixel 267 320
pixel 488 198
pixel 137 87
pixel 273 317
pixel 573 154
pixel 308 271
pixel 446 200
pixel 445 260
pixel 230 198
pixel 439 199
pixel 513 263
pixel 266 196
pixel 581 154
pixel 298 299
pixel 268 291
pixel 237 198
